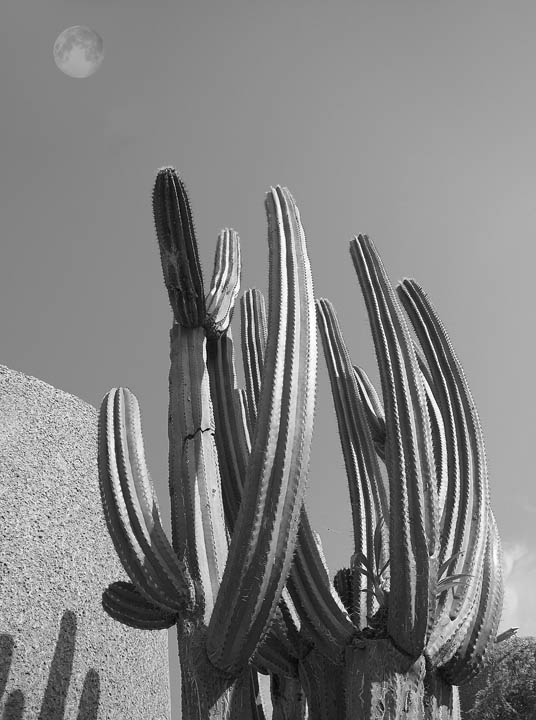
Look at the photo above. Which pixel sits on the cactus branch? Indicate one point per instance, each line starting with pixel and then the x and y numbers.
pixel 265 534
pixel 408 455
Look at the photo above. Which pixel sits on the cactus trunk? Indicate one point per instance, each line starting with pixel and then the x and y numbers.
pixel 386 684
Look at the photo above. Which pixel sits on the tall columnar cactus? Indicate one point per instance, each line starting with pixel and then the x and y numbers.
pixel 220 593
pixel 414 614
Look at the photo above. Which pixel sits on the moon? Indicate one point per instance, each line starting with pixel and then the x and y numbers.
pixel 78 51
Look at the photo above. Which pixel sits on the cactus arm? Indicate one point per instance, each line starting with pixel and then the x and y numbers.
pixel 470 538
pixel 454 516
pixel 481 635
pixel 178 249
pixel 123 602
pixel 265 534
pixel 233 443
pixel 130 508
pixel 368 497
pixel 409 455
pixel 254 334
pixel 308 583
pixel 225 284
pixel 233 423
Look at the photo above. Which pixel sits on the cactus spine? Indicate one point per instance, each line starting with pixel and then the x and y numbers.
pixel 244 577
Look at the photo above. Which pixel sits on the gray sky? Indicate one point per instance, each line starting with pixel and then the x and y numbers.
pixel 411 121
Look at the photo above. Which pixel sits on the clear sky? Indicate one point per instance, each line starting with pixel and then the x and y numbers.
pixel 411 121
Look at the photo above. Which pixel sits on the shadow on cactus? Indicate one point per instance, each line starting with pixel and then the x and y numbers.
pixel 244 577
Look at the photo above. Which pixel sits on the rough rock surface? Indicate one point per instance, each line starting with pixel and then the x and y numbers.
pixel 61 656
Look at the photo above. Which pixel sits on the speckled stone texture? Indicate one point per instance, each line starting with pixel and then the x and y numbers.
pixel 61 656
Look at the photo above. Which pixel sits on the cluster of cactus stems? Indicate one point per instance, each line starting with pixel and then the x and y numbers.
pixel 244 577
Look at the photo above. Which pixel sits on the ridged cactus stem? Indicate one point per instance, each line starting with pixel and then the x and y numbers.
pixel 199 530
pixel 265 534
pixel 409 455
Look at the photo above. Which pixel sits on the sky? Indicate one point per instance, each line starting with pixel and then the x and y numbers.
pixel 411 121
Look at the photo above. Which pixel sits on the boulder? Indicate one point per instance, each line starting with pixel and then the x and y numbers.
pixel 61 656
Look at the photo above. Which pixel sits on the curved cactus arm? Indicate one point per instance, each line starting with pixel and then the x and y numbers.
pixel 308 582
pixel 265 534
pixel 254 335
pixel 409 456
pixel 368 495
pixel 471 529
pixel 233 442
pixel 373 409
pixel 123 602
pixel 178 248
pixel 435 370
pixel 131 510
pixel 481 633
pixel 225 284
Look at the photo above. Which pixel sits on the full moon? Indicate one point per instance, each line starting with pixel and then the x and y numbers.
pixel 78 51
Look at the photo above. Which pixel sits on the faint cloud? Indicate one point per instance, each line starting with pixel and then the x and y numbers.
pixel 519 564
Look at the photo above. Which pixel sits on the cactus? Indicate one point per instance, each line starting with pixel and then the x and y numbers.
pixel 220 591
pixel 244 577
